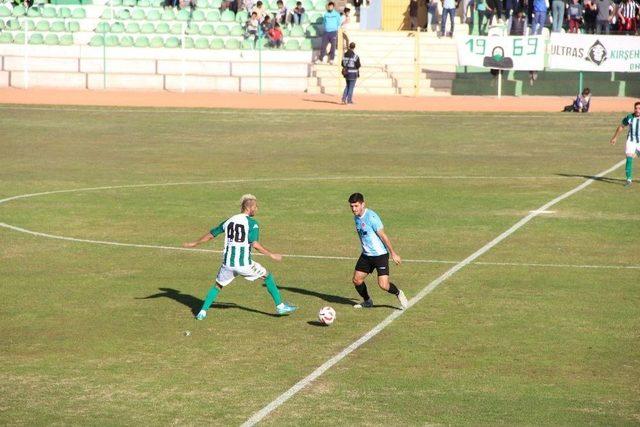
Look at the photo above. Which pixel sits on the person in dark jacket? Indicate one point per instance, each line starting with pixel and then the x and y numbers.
pixel 350 71
pixel 581 104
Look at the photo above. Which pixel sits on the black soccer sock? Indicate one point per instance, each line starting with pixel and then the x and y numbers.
pixel 393 290
pixel 362 290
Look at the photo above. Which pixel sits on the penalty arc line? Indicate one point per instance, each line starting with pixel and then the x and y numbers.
pixel 273 405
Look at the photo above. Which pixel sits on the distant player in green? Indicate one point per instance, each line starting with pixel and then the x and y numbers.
pixel 376 247
pixel 241 234
pixel 632 148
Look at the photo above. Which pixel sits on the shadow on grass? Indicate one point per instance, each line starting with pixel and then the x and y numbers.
pixel 195 303
pixel 335 299
pixel 323 102
pixel 595 178
pixel 316 323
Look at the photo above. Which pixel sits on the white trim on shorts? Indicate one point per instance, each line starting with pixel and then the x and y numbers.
pixel 251 272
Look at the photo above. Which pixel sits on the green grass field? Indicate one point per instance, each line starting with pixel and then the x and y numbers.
pixel 533 333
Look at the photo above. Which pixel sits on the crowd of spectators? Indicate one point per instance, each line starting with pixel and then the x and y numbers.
pixel 573 16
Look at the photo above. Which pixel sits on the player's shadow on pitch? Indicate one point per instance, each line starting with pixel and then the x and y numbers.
pixel 595 178
pixel 334 299
pixel 195 303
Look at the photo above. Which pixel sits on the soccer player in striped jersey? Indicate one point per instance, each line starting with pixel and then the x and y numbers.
pixel 376 247
pixel 632 149
pixel 241 233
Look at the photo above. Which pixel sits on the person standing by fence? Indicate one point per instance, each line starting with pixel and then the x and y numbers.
pixel 351 72
pixel 331 21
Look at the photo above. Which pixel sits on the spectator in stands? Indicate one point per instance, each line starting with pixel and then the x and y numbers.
pixel 448 9
pixel 275 36
pixel 413 14
pixel 331 21
pixel 297 14
pixel 467 13
pixel 581 103
pixel 265 25
pixel 576 12
pixel 281 13
pixel 351 72
pixel 483 13
pixel 540 13
pixel 603 19
pixel 248 5
pixel 557 12
pixel 229 4
pixel 518 24
pixel 495 6
pixel 627 19
pixel 432 15
pixel 260 10
pixel 251 27
pixel 187 3
pixel 346 20
pixel 590 14
pixel 357 4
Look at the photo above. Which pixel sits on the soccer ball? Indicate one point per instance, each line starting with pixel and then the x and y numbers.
pixel 327 315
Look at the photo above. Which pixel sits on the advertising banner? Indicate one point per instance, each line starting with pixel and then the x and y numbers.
pixel 588 52
pixel 502 52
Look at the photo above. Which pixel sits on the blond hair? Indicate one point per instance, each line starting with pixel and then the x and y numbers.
pixel 247 201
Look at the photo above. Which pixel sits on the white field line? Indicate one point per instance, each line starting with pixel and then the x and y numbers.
pixel 261 414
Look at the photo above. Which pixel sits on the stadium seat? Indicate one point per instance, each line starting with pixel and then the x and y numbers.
pixel 236 30
pixel 18 38
pixel 33 12
pixel 233 44
pixel 306 44
pixel 51 40
pixel 193 29
pixel 115 3
pixel 201 43
pixel 292 45
pixel 217 44
pixel 178 28
pixel 117 28
pixel 183 15
pixel 156 41
pixel 144 3
pixel 222 30
pixel 154 15
pixel 198 16
pixel 206 29
pixel 168 15
pixel 132 28
pixel 13 25
pixel 66 40
pixel 4 12
pixel 74 26
pixel 129 3
pixel 123 14
pixel 247 44
pixel 126 41
pixel 103 27
pixel 42 26
pixel 57 26
pixel 64 12
pixel 227 16
pixel 5 38
pixel 188 43
pixel 19 10
pixel 36 39
pixel 296 31
pixel 172 42
pixel 106 14
pixel 147 28
pixel 312 31
pixel 213 16
pixel 28 24
pixel 141 41
pixel 137 14
pixel 157 3
pixel 215 4
pixel 111 41
pixel 242 17
pixel 2 24
pixel 78 13
pixel 162 28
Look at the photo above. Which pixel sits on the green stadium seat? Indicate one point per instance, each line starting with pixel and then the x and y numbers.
pixel 154 15
pixel 172 42
pixel 308 5
pixel 292 45
pixel 306 44
pixel 147 28
pixel 33 12
pixel 129 3
pixel 227 16
pixel 51 40
pixel 132 28
pixel 222 30
pixel 126 41
pixel 111 41
pixel 162 28
pixel 247 44
pixel 18 38
pixel 217 44
pixel 233 44
pixel 36 39
pixel 78 13
pixel 198 16
pixel 117 28
pixel 168 15
pixel 213 16
pixel 106 14
pixel 137 14
pixel 193 29
pixel 157 3
pixel 4 12
pixel 177 28
pixel 115 3
pixel 312 31
pixel 236 30
pixel 141 41
pixel 6 38
pixel 215 4
pixel 206 29
pixel 103 27
pixel 2 24
pixel 64 12
pixel 296 31
pixel 201 43
pixel 183 15
pixel 156 41
pixel 74 26
pixel 28 24
pixel 66 40
pixel 57 26
pixel 188 43
pixel 321 5
pixel 144 3
pixel 19 10
pixel 242 17
pixel 13 25
pixel 123 14
pixel 42 26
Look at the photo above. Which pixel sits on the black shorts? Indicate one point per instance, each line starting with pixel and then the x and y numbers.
pixel 367 264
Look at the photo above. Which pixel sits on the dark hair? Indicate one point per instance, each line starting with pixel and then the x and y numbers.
pixel 266 18
pixel 279 2
pixel 298 3
pixel 330 4
pixel 346 9
pixel 636 104
pixel 259 3
pixel 352 45
pixel 356 198
pixel 586 91
pixel 277 25
pixel 254 13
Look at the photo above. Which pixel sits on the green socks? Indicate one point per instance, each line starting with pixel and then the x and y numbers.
pixel 211 297
pixel 273 289
pixel 629 168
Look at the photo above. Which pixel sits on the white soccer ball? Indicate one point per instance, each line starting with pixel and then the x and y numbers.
pixel 327 315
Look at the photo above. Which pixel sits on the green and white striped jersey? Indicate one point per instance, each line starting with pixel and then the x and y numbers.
pixel 240 230
pixel 634 127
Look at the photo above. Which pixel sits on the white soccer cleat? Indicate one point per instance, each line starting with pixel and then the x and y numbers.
pixel 403 300
pixel 201 315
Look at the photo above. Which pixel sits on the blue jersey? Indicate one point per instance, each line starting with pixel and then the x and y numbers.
pixel 366 226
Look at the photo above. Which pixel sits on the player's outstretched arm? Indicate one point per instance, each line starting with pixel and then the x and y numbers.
pixel 394 256
pixel 203 239
pixel 615 135
pixel 267 252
